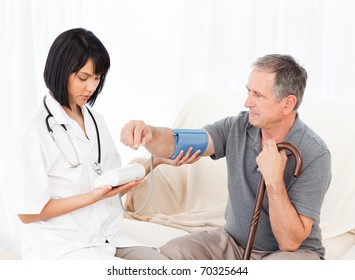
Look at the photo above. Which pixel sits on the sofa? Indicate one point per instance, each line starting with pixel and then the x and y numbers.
pixel 193 197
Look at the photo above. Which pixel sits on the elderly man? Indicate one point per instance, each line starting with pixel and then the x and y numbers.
pixel 290 215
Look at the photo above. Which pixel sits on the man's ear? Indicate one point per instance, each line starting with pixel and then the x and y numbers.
pixel 290 103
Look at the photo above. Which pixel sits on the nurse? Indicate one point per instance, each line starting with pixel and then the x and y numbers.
pixel 60 151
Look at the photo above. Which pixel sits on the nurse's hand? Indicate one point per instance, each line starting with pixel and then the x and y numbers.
pixel 180 159
pixel 109 191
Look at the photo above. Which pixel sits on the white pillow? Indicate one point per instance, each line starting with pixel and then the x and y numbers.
pixel 335 123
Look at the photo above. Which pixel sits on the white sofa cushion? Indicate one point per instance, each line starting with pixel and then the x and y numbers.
pixel 150 234
pixel 334 122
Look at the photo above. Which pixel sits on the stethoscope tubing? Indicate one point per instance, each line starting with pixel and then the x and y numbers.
pixel 50 115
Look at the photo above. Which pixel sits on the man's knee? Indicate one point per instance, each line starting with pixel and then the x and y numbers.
pixel 139 253
pixel 173 249
pixel 187 247
pixel 296 255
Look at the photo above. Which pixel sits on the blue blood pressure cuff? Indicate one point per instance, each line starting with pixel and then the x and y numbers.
pixel 186 138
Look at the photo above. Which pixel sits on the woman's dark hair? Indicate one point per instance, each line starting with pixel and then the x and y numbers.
pixel 68 54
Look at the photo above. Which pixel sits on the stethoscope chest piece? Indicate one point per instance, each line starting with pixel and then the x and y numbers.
pixel 97 168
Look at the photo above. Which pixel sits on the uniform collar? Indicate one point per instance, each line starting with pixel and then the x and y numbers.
pixel 61 117
pixel 58 112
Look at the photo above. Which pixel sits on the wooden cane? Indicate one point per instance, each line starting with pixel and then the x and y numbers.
pixel 260 196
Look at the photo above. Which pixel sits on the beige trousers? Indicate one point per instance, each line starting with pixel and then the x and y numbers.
pixel 219 245
pixel 139 253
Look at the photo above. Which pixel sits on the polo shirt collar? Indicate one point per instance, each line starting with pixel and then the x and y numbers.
pixel 296 133
pixel 294 136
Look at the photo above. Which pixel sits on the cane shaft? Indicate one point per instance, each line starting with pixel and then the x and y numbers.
pixel 260 196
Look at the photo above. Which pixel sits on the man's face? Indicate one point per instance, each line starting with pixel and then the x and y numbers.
pixel 264 110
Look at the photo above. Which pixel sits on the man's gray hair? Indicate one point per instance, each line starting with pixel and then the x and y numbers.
pixel 290 77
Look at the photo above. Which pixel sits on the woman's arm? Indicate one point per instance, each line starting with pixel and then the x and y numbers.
pixel 57 207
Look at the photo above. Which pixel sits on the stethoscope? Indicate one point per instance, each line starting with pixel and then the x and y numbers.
pixel 97 164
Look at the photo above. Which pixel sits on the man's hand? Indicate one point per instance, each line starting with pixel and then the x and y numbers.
pixel 272 164
pixel 159 141
pixel 136 133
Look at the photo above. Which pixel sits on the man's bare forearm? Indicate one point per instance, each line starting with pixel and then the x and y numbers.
pixel 162 142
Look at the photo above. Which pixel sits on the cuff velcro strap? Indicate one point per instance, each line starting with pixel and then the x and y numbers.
pixel 186 138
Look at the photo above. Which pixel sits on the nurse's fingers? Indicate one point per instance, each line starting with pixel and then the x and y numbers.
pixel 123 189
pixel 188 158
pixel 182 159
pixel 109 191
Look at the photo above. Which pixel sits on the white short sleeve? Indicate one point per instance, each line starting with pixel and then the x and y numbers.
pixel 27 181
